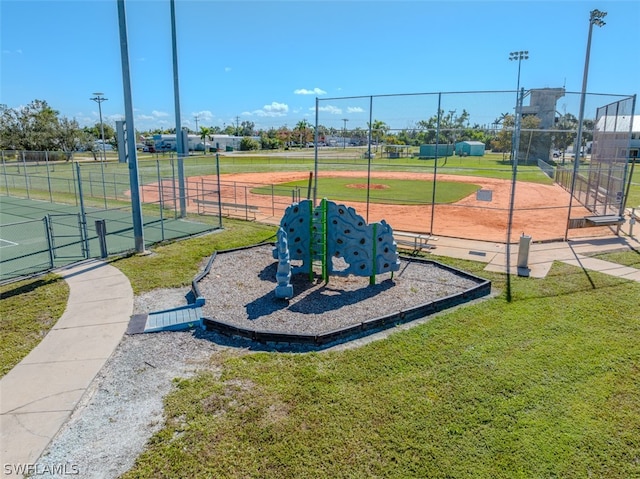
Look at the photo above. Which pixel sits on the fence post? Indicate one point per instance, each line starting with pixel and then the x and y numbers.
pixel 173 183
pixel 202 200
pixel 47 234
pixel 46 162
pixel 246 204
pixel 4 171
pixel 102 167
pixel 219 191
pixel 75 182
pixel 160 198
pixel 101 231
pixel 26 177
pixel 83 215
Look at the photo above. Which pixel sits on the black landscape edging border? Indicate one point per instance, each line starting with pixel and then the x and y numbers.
pixel 483 288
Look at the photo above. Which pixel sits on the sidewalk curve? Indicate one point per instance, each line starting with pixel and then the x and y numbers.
pixel 38 395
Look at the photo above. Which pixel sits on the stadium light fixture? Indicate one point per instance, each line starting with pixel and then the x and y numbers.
pixel 595 18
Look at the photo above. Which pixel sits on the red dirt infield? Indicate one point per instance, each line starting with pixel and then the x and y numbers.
pixel 540 211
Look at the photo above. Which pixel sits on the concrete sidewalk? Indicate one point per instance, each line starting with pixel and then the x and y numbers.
pixel 38 395
pixel 542 255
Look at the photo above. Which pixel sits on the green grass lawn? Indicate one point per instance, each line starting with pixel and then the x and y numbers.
pixel 543 386
pixel 394 191
pixel 28 310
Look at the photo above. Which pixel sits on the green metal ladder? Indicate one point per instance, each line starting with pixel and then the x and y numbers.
pixel 318 243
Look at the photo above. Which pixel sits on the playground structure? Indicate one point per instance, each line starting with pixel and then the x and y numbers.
pixel 320 241
pixel 316 235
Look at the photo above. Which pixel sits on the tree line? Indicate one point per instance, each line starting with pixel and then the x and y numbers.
pixel 38 127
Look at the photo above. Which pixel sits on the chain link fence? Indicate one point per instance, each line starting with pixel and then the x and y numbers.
pixel 56 212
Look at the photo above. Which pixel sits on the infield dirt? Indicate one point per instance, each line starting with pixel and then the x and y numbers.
pixel 540 211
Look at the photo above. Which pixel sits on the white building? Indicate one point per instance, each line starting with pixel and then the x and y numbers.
pixel 195 143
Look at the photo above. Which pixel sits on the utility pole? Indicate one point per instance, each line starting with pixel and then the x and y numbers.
pixel 196 117
pixel 237 125
pixel 344 133
pixel 99 98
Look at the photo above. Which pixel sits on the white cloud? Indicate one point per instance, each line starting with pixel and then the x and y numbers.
pixel 272 110
pixel 204 115
pixel 159 114
pixel 304 91
pixel 334 110
pixel 355 109
pixel 227 69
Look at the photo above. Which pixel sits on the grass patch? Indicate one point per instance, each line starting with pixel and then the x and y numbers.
pixel 175 264
pixel 544 386
pixel 28 310
pixel 388 191
pixel 625 258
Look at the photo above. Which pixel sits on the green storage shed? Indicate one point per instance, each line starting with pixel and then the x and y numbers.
pixel 429 151
pixel 470 148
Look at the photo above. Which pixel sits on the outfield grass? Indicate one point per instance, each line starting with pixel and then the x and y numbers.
pixel 394 191
pixel 543 386
pixel 28 310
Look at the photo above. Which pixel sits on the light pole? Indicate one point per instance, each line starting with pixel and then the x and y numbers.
pixel 595 18
pixel 99 98
pixel 515 146
pixel 344 133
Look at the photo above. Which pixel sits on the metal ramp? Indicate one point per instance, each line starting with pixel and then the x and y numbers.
pixel 175 319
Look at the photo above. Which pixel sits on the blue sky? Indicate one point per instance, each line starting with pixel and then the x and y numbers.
pixel 267 61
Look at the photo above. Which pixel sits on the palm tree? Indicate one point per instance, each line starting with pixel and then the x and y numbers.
pixel 379 129
pixel 302 129
pixel 204 134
